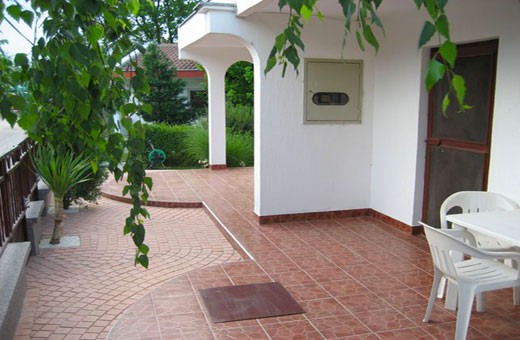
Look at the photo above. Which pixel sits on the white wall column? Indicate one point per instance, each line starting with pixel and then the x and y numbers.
pixel 217 117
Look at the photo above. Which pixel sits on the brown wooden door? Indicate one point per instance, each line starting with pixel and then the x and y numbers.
pixel 458 143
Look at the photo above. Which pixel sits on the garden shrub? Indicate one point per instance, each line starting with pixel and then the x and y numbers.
pixel 240 118
pixel 188 145
pixel 239 150
pixel 170 139
pixel 88 191
pixel 196 144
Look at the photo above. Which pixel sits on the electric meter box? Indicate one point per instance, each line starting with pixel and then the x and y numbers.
pixel 332 91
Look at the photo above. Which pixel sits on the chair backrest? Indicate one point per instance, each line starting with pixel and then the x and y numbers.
pixel 475 201
pixel 442 247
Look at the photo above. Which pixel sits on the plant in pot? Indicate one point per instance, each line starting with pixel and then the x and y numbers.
pixel 61 172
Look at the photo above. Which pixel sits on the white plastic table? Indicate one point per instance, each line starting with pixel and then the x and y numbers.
pixel 503 225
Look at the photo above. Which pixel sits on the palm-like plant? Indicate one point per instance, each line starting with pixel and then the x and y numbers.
pixel 61 172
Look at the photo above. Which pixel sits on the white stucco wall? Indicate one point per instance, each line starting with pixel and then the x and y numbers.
pixel 400 111
pixel 399 121
pixel 378 163
pixel 314 167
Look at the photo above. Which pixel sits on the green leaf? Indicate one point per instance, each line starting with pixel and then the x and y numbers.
pixel 435 73
pixel 14 11
pixel 128 108
pixel 127 123
pixel 448 52
pixel 282 3
pixel 443 27
pixel 20 59
pixel 293 38
pixel 147 107
pixel 144 249
pixel 459 85
pixel 292 57
pixel 426 33
pixel 445 102
pixel 139 233
pixel 6 112
pixel 84 79
pixel 349 8
pixel 360 41
pixel 127 229
pixel 442 3
pixel 142 260
pixel 370 38
pixel 319 15
pixel 94 166
pixel 306 12
pixel 28 120
pixel 431 7
pixel 279 43
pixel 376 19
pixel 28 17
pixel 419 3
pixel 133 5
pixel 271 62
pixel 17 101
pixel 95 33
pixel 148 182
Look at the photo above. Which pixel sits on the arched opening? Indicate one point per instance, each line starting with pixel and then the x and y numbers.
pixel 239 87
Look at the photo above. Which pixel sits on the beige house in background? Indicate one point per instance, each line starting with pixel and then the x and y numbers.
pixel 187 70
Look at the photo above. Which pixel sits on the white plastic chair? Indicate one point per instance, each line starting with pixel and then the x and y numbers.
pixel 474 202
pixel 472 276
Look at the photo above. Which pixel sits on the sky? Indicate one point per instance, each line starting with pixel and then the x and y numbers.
pixel 17 44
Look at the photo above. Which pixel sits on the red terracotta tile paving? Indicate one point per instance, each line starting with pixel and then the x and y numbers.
pixel 82 291
pixel 340 326
pixel 311 291
pixel 385 320
pixel 356 277
pixel 293 330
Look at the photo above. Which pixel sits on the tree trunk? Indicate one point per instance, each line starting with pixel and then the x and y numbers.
pixel 58 221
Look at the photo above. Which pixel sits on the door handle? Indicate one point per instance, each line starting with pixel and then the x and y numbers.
pixel 433 141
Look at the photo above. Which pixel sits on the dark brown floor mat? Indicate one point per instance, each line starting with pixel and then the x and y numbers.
pixel 253 301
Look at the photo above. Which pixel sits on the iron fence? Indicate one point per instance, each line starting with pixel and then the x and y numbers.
pixel 18 182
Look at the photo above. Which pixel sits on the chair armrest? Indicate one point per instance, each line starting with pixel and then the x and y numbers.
pixel 461 234
pixel 493 255
pixel 513 249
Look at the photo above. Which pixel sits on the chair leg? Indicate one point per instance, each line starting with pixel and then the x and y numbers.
pixel 442 286
pixel 437 278
pixel 516 290
pixel 451 296
pixel 516 296
pixel 481 302
pixel 466 296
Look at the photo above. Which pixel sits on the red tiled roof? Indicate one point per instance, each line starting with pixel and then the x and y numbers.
pixel 172 52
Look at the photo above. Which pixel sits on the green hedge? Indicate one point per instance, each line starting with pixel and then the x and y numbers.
pixel 239 147
pixel 170 139
pixel 240 118
pixel 188 146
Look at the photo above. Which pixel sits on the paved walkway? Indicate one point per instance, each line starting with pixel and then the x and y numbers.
pixel 10 137
pixel 78 293
pixel 357 278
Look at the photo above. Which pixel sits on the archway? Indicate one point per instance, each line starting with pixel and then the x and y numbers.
pixel 239 82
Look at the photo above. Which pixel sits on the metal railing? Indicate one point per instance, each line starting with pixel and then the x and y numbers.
pixel 18 182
